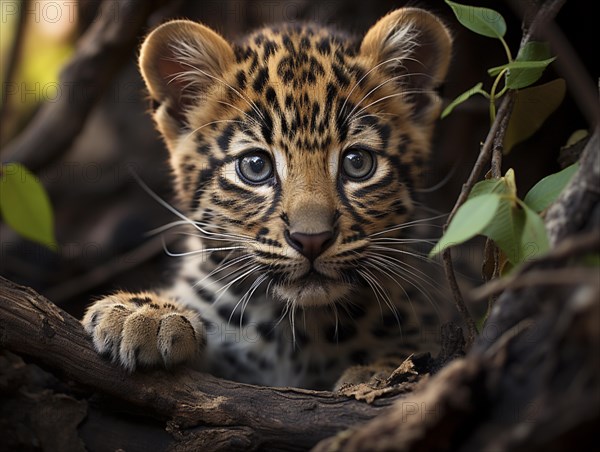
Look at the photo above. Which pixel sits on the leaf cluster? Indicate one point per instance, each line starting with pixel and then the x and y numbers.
pixel 494 210
pixel 533 105
pixel 25 206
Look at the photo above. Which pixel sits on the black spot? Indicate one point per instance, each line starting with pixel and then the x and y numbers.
pixel 355 311
pixel 253 65
pixel 263 231
pixel 203 149
pixel 286 69
pixel 259 38
pixel 429 319
pixel 269 49
pixel 226 314
pixel 241 79
pixel 261 79
pixel 340 75
pixel 331 363
pixel 284 126
pixel 271 96
pixel 391 320
pixel 301 338
pixel 266 330
pixel 305 43
pixel 314 367
pixel 380 332
pixel 359 357
pixel 384 134
pixel 225 138
pixel 399 207
pixel 139 301
pixel 341 125
pixel 231 358
pixel 288 101
pixel 314 114
pixel 288 44
pixel 324 45
pixel 331 93
pixel 342 333
pixel 154 306
pixel 204 294
pixel 266 128
pixel 263 364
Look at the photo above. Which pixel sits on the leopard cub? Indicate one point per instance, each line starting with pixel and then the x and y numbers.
pixel 296 153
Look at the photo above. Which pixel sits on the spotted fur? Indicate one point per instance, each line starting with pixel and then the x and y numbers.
pixel 291 279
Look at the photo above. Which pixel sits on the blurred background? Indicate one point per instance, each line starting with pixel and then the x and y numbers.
pixel 102 216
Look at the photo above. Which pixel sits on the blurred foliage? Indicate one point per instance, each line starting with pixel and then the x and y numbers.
pixel 48 42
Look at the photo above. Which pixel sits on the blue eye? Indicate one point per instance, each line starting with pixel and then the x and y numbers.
pixel 255 167
pixel 358 164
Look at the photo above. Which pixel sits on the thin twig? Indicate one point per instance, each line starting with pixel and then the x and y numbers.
pixel 496 170
pixel 491 146
pixel 485 154
pixel 495 135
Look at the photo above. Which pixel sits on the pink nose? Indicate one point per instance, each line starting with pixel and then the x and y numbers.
pixel 310 245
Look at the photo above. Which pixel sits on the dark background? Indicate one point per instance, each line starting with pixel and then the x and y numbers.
pixel 103 216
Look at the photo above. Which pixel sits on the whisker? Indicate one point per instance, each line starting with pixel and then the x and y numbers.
pixel 250 118
pixel 221 267
pixel 250 103
pixel 389 96
pixel 210 123
pixel 245 298
pixel 195 252
pixel 356 85
pixel 349 115
pixel 413 223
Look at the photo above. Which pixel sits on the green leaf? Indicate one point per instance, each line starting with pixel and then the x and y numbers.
pixel 521 74
pixel 534 51
pixel 532 107
pixel 25 205
pixel 521 65
pixel 517 230
pixel 506 229
pixel 485 187
pixel 534 240
pixel 483 21
pixel 470 219
pixel 463 97
pixel 547 190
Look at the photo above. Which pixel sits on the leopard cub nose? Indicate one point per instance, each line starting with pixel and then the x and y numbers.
pixel 310 245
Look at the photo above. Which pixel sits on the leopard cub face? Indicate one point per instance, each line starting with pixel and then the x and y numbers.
pixel 296 148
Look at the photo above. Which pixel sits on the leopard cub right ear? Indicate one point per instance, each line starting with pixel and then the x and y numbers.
pixel 179 61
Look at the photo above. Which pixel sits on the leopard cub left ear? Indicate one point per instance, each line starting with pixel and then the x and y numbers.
pixel 413 42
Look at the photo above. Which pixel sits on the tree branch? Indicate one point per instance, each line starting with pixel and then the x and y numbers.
pixel 202 410
pixel 101 52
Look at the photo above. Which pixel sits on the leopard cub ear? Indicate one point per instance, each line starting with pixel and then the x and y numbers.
pixel 180 60
pixel 414 48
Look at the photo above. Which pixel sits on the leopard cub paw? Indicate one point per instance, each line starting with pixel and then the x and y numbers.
pixel 144 330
